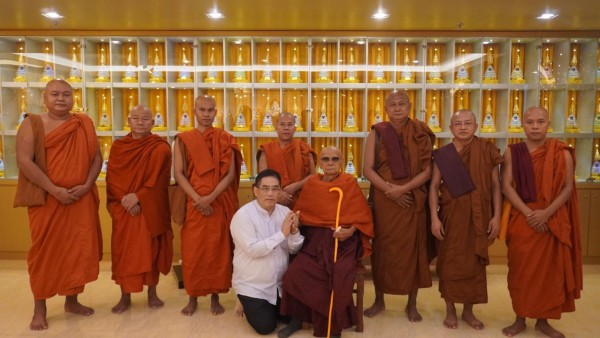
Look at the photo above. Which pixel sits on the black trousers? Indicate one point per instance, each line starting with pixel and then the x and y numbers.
pixel 262 315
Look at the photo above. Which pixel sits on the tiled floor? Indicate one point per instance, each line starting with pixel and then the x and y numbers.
pixel 16 308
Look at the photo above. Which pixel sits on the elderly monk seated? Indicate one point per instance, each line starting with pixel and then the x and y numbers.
pixel 313 275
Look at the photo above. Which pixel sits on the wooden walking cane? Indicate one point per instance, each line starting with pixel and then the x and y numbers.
pixel 335 248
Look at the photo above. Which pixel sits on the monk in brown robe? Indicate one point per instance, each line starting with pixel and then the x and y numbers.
pixel 543 234
pixel 397 162
pixel 66 241
pixel 211 182
pixel 465 184
pixel 292 158
pixel 313 275
pixel 137 180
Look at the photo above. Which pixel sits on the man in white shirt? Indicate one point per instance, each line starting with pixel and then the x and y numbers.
pixel 264 234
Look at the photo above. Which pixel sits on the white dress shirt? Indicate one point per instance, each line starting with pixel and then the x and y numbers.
pixel 261 251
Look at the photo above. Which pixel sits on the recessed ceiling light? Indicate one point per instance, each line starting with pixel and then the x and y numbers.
pixel 380 15
pixel 360 42
pixel 52 15
pixel 547 16
pixel 116 42
pixel 215 14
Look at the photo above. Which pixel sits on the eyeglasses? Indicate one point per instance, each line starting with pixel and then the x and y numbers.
pixel 266 189
pixel 330 159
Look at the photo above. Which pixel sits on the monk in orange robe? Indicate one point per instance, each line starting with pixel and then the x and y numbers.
pixel 543 235
pixel 293 159
pixel 211 182
pixel 398 164
pixel 137 180
pixel 66 241
pixel 313 275
pixel 465 184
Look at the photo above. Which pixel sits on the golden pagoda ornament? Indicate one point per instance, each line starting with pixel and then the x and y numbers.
pixel 104 123
pixel 378 73
pixel 23 113
pixel 515 125
pixel 573 76
pixel 571 126
pixel 435 76
pixel 297 117
pixel 489 77
pixel 211 74
pixel 350 123
pixel 323 124
pixel 75 70
pixel 323 76
pixel 460 101
pixel 462 75
pixel 159 118
pixel 1 165
pixel 185 74
pixel 351 75
pixel 597 119
pixel 105 155
pixel 377 118
pixel 240 120
pixel 488 125
pixel 217 121
pixel 546 73
pixel 243 168
pixel 130 107
pixel 185 122
pixel 267 121
pixel 406 76
pixel 350 168
pixel 76 105
pixel 434 122
pixel 595 172
pixel 48 71
pixel 240 73
pixel 294 75
pixel 516 75
pixel 103 74
pixel 267 74
pixel 21 74
pixel 130 70
pixel 157 73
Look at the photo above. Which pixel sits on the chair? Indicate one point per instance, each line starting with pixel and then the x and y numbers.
pixel 359 280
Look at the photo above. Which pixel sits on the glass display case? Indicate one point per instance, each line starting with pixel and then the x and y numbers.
pixel 334 86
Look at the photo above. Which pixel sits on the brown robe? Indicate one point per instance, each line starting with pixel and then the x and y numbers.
pixel 311 276
pixel 206 245
pixel 292 162
pixel 66 241
pixel 142 245
pixel 463 254
pixel 545 269
pixel 400 262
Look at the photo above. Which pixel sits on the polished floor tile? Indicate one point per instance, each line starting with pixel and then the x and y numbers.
pixel 16 308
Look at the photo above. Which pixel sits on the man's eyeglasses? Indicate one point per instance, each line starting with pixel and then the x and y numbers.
pixel 334 159
pixel 266 188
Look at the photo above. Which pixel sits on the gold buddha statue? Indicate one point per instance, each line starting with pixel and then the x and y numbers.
pixel 351 75
pixel 21 74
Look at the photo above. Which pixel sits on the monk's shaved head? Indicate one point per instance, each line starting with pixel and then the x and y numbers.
pixel 462 112
pixel 141 111
pixel 536 109
pixel 206 98
pixel 331 151
pixel 286 116
pixel 397 93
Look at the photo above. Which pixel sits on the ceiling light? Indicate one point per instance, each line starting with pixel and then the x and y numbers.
pixel 360 42
pixel 215 14
pixel 547 16
pixel 52 15
pixel 380 15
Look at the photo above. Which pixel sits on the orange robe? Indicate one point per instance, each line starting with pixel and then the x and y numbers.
pixel 463 254
pixel 206 245
pixel 292 162
pixel 308 282
pixel 545 269
pixel 66 241
pixel 400 262
pixel 142 245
